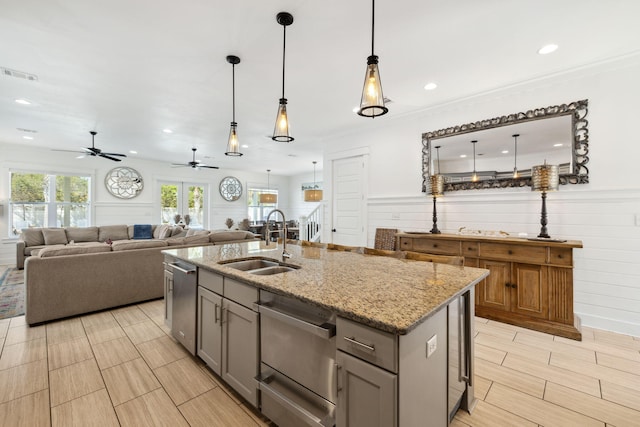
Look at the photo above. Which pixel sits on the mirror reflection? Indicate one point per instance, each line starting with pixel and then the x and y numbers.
pixel 500 152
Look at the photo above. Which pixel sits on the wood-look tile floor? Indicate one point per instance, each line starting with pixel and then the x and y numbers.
pixel 122 368
pixel 114 368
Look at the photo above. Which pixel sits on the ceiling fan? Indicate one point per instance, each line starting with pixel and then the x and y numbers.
pixel 193 163
pixel 93 151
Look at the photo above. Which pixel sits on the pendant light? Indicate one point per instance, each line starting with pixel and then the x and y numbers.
pixel 515 155
pixel 233 146
pixel 313 194
pixel 474 177
pixel 372 100
pixel 437 190
pixel 281 129
pixel 268 197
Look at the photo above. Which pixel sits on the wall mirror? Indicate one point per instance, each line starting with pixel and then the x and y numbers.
pixel 509 144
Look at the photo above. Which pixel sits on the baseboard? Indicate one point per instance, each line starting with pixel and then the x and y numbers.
pixel 612 325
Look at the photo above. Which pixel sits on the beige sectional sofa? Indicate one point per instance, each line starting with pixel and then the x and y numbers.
pixel 66 279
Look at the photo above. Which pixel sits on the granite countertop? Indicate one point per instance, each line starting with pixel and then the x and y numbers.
pixel 393 295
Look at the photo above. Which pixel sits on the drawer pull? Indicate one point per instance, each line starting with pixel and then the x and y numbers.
pixel 356 342
pixel 510 252
pixel 435 245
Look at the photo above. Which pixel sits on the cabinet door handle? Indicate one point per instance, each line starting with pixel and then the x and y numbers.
pixel 338 375
pixel 215 313
pixel 353 340
pixel 224 309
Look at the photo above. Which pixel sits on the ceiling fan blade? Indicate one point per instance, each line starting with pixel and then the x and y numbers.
pixel 109 157
pixel 179 165
pixel 115 154
pixel 208 167
pixel 70 151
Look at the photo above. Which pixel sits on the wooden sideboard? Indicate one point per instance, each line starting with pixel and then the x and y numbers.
pixel 530 282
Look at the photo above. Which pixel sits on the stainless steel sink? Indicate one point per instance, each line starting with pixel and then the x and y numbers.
pixel 260 266
pixel 251 264
pixel 267 271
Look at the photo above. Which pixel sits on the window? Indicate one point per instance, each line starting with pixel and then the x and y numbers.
pixel 256 210
pixel 184 203
pixel 47 200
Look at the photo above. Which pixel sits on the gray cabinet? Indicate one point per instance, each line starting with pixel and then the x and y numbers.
pixel 209 329
pixel 240 349
pixel 228 332
pixel 367 395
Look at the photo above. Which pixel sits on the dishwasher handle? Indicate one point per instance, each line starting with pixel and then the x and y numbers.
pixel 326 330
pixel 179 268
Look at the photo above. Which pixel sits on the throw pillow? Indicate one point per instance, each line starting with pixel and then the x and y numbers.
pixel 32 237
pixel 142 231
pixel 113 232
pixel 82 234
pixel 54 236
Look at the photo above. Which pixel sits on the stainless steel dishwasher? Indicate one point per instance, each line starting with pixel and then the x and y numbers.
pixel 185 297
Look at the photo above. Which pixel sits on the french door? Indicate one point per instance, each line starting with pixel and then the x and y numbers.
pixel 184 203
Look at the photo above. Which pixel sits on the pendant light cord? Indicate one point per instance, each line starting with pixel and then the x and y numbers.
pixel 233 90
pixel 373 21
pixel 284 48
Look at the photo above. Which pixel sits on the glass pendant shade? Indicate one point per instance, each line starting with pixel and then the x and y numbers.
pixel 515 155
pixel 233 146
pixel 281 129
pixel 544 178
pixel 474 176
pixel 372 101
pixel 437 185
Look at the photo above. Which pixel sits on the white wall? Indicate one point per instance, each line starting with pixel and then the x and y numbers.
pixel 297 205
pixel 108 209
pixel 604 214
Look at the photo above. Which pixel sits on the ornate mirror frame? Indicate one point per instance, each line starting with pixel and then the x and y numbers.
pixel 579 173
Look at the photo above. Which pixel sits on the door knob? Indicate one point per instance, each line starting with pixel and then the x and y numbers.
pixel 333 230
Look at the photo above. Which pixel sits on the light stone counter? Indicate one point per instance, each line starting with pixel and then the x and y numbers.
pixel 389 294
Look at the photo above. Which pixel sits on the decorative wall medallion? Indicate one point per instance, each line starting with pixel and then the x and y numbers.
pixel 230 188
pixel 123 182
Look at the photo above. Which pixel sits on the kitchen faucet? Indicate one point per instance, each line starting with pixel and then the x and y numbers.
pixel 267 235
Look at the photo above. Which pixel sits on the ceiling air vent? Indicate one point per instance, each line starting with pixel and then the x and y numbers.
pixel 18 74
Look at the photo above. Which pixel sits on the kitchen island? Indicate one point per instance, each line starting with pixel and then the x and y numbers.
pixel 389 320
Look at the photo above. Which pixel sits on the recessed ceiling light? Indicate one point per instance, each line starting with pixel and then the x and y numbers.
pixel 245 146
pixel 430 86
pixel 133 152
pixel 547 49
pixel 167 131
pixel 462 156
pixel 505 151
pixel 557 145
pixel 27 137
pixel 23 101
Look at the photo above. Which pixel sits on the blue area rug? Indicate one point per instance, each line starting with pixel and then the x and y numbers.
pixel 11 292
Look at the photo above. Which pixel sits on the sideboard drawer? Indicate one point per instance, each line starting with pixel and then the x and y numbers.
pixel 561 256
pixel 506 252
pixel 434 246
pixel 469 249
pixel 406 244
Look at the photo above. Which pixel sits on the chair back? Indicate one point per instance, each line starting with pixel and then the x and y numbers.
pixel 385 238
